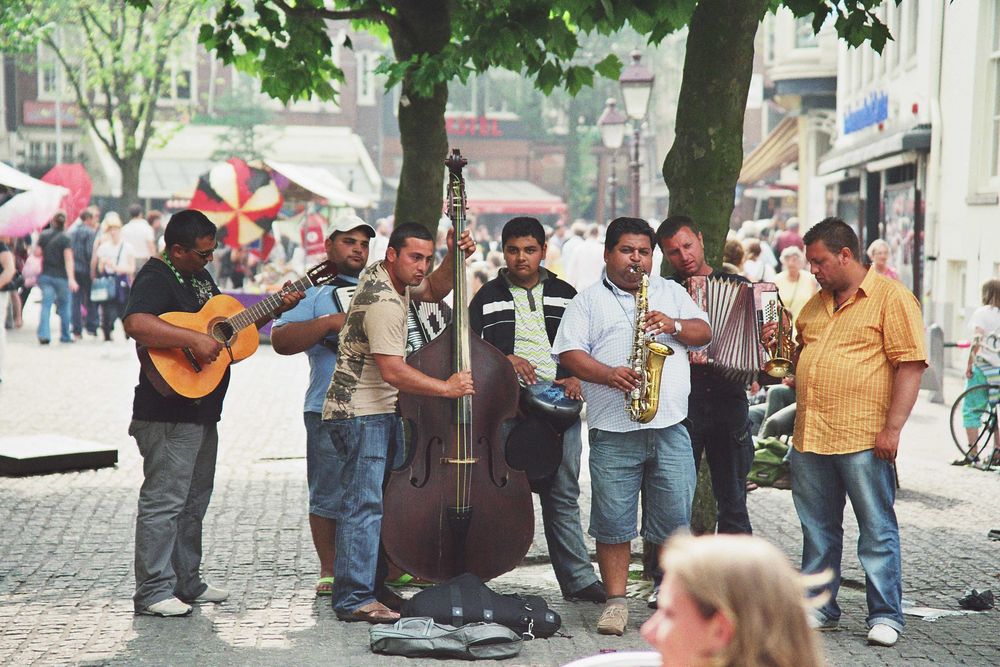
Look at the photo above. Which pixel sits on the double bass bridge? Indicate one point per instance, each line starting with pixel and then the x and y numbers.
pixel 452 461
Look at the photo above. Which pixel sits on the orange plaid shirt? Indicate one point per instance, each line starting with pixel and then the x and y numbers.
pixel 845 372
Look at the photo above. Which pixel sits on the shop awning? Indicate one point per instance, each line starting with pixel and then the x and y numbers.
pixel 17 180
pixel 511 198
pixel 320 182
pixel 916 139
pixel 171 171
pixel 779 148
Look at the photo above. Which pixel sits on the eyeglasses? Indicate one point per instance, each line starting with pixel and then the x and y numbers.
pixel 204 254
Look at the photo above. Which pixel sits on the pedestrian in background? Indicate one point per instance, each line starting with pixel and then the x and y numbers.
pixel 878 253
pixel 57 281
pixel 983 365
pixel 83 238
pixel 7 274
pixel 115 258
pixel 140 235
pixel 858 366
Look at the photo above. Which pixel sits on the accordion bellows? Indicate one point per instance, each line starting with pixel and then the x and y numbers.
pixel 736 314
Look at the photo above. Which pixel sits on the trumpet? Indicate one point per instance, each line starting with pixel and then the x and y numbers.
pixel 779 361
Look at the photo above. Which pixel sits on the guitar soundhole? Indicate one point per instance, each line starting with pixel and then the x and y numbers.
pixel 223 331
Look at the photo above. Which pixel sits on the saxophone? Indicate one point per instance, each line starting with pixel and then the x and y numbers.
pixel 646 360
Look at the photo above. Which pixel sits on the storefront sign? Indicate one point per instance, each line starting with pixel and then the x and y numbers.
pixel 44 114
pixel 874 110
pixel 472 127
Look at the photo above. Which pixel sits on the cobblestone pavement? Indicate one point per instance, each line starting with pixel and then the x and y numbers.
pixel 66 543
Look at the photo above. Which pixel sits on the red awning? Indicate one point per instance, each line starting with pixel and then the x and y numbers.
pixel 511 198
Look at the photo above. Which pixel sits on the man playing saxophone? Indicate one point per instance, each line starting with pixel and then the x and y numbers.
pixel 595 342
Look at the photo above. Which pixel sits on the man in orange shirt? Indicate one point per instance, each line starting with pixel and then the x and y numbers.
pixel 859 361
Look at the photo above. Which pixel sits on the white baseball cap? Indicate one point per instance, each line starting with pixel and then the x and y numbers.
pixel 346 223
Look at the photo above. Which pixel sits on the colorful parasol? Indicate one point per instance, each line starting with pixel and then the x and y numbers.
pixel 241 200
pixel 30 210
pixel 74 178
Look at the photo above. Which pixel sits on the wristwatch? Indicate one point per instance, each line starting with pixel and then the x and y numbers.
pixel 677 327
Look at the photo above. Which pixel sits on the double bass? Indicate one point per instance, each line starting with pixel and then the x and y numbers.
pixel 456 506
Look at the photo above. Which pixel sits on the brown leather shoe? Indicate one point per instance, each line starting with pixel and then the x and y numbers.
pixel 390 599
pixel 374 612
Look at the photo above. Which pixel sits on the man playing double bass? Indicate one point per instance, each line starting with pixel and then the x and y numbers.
pixel 595 342
pixel 361 405
pixel 518 312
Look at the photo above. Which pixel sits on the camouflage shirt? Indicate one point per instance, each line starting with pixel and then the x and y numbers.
pixel 376 324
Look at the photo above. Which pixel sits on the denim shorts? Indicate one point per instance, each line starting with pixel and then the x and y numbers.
pixel 324 467
pixel 658 463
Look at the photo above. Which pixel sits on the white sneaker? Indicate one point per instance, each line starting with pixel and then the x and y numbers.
pixel 168 607
pixel 882 635
pixel 213 594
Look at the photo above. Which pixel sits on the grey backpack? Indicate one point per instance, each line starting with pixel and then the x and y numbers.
pixel 418 637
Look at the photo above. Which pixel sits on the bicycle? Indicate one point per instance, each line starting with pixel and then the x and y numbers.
pixel 974 416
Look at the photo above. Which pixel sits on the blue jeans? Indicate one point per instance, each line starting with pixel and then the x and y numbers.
pixel 720 427
pixel 820 486
pixel 324 467
pixel 366 445
pixel 656 461
pixel 55 290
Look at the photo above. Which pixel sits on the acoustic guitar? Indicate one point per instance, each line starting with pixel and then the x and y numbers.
pixel 175 371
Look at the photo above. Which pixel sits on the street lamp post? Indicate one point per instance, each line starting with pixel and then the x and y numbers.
pixel 612 127
pixel 636 83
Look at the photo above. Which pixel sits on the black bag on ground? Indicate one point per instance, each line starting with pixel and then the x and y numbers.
pixel 423 638
pixel 466 599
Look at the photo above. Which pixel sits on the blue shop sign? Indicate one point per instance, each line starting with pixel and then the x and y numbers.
pixel 874 110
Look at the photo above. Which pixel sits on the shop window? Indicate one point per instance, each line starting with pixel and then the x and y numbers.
pixel 805 38
pixel 912 24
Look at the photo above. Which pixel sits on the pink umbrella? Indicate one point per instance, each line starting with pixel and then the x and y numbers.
pixel 25 212
pixel 74 178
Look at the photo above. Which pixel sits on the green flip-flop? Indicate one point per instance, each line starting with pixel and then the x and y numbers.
pixel 324 586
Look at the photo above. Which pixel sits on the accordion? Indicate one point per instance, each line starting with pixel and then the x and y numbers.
pixel 424 321
pixel 736 312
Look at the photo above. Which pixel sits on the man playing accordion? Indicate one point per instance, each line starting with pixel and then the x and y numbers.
pixel 717 408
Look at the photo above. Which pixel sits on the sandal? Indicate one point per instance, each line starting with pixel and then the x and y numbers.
pixel 324 586
pixel 374 612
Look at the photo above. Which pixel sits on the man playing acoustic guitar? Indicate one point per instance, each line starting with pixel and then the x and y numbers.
pixel 176 436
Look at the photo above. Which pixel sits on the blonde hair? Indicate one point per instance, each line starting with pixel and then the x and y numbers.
pixel 111 219
pixel 749 581
pixel 991 292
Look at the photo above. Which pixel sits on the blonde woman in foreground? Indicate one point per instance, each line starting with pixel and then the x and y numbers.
pixel 731 601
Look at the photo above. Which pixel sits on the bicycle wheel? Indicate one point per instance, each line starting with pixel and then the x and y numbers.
pixel 974 420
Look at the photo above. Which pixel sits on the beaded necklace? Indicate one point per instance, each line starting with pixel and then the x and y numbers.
pixel 201 287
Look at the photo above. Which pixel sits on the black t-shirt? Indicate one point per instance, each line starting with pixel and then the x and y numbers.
pixel 156 290
pixel 53 243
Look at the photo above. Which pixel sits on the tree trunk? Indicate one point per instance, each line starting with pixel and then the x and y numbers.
pixel 703 164
pixel 424 30
pixel 130 182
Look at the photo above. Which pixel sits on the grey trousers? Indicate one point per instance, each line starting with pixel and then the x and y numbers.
pixel 179 470
pixel 561 515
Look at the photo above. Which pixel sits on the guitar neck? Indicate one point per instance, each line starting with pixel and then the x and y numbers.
pixel 267 307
